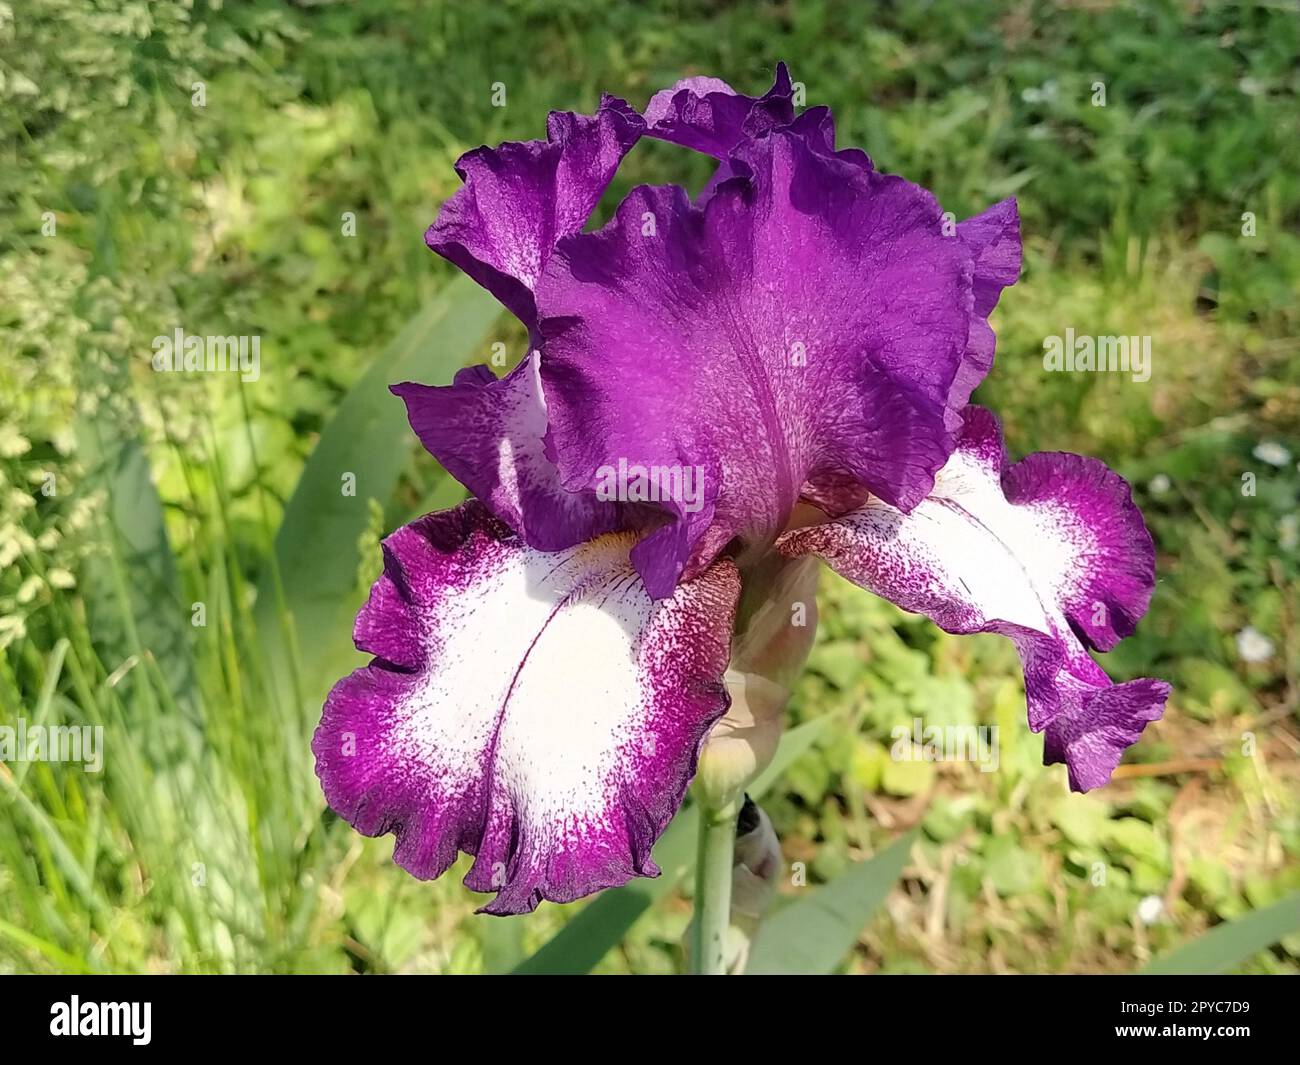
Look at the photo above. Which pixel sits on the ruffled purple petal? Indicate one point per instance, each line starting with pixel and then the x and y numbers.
pixel 816 126
pixel 994 240
pixel 489 434
pixel 521 197
pixel 538 711
pixel 1105 722
pixel 709 116
pixel 1050 552
pixel 805 323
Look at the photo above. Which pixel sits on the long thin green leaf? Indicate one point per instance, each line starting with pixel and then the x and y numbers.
pixel 1228 945
pixel 134 597
pixel 68 963
pixel 579 946
pixel 53 670
pixel 364 444
pixel 43 824
pixel 814 934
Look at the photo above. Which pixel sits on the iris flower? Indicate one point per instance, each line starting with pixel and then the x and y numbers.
pixel 775 370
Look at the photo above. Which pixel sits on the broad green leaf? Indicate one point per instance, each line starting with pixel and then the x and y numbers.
pixel 813 934
pixel 580 944
pixel 366 442
pixel 133 592
pixel 1228 945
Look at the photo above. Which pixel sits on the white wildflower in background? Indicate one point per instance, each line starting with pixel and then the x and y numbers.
pixel 1288 532
pixel 1150 910
pixel 84 510
pixel 1159 484
pixel 64 440
pixel 1253 646
pixel 14 541
pixel 12 442
pixel 1272 452
pixel 12 627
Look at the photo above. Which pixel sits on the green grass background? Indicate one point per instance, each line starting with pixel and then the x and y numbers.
pixel 127 496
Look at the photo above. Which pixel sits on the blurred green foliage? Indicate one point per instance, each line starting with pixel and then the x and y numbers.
pixel 128 210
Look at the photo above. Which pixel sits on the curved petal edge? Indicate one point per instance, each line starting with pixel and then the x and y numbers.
pixel 520 197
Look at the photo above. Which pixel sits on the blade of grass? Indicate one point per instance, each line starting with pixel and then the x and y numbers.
pixel 53 670
pixel 69 963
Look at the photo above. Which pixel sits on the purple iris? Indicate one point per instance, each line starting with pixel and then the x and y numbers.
pixel 549 657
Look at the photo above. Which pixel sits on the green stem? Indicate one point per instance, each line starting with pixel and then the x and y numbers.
pixel 717 846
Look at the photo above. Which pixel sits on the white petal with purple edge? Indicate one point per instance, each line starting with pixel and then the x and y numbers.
pixel 537 710
pixel 1050 552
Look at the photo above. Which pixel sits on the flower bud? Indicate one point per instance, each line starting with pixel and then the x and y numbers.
pixel 744 741
pixel 758 866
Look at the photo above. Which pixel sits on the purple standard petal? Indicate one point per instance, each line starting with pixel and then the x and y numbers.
pixel 489 434
pixel 805 323
pixel 709 116
pixel 1050 551
pixel 817 127
pixel 538 711
pixel 521 197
